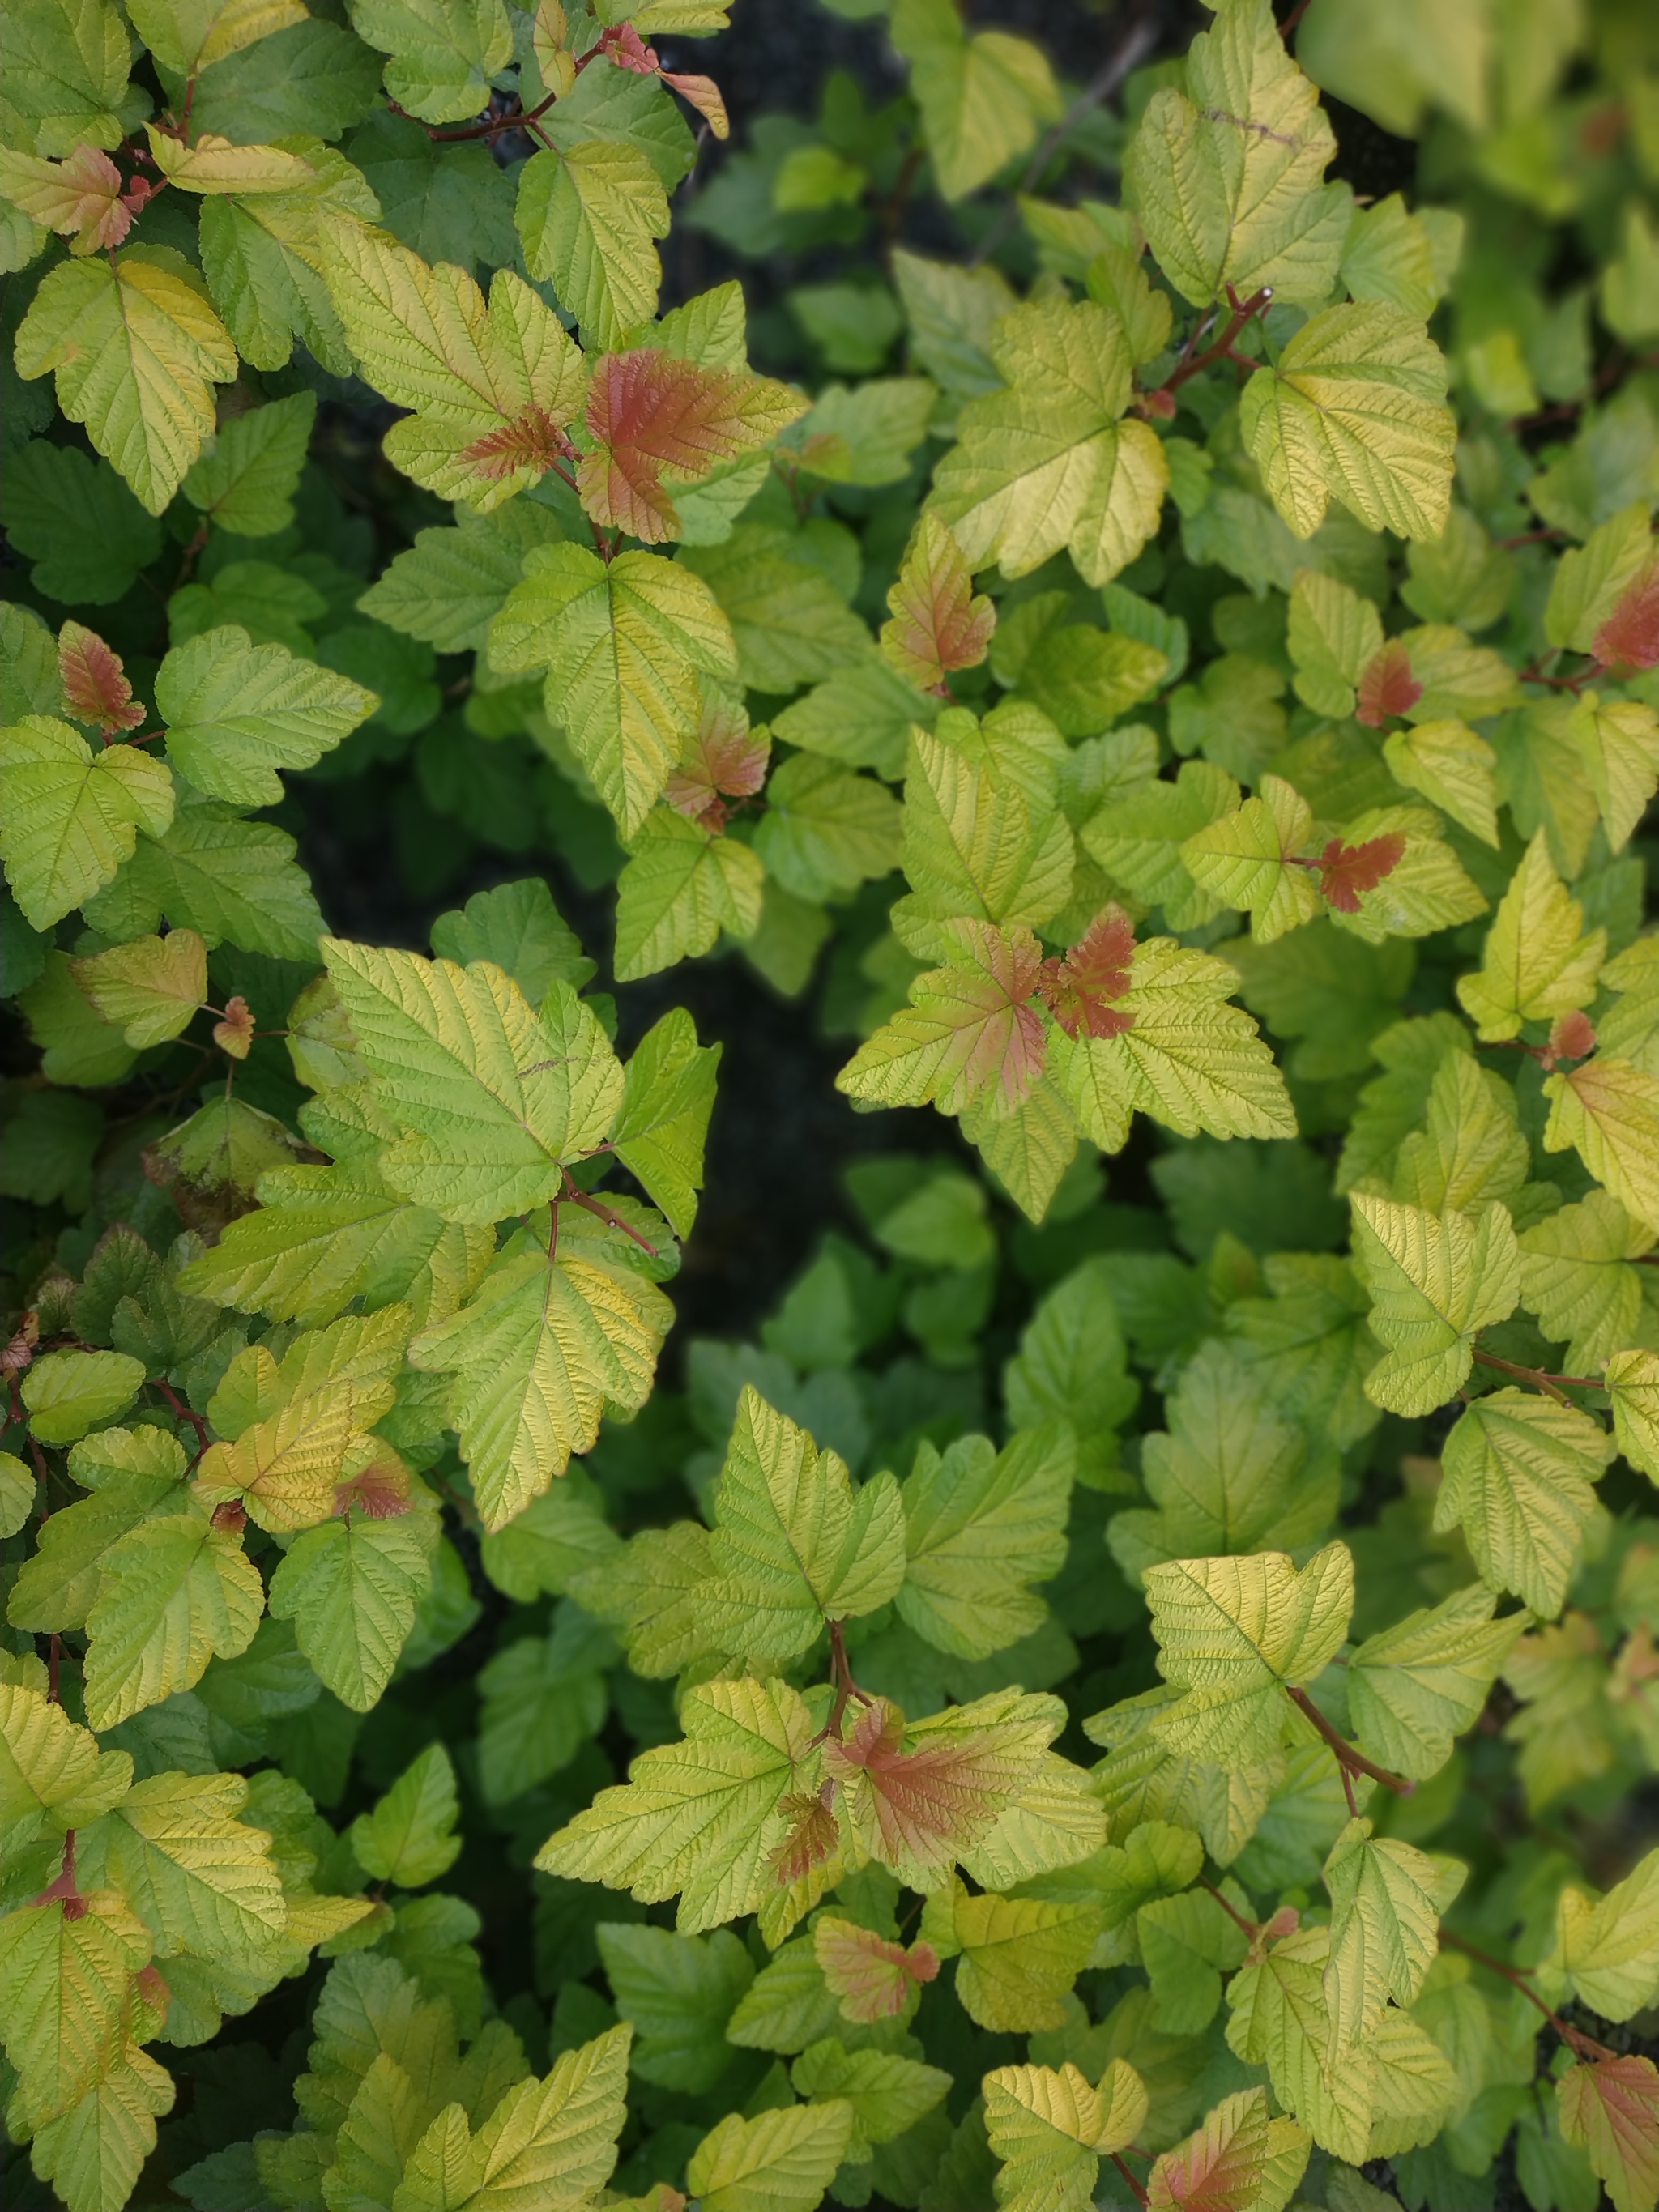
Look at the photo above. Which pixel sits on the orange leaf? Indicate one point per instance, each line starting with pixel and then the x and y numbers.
pixel 1387 688
pixel 1079 988
pixel 870 1976
pixel 937 624
pixel 1629 638
pixel 1572 1036
pixel 1611 2110
pixel 235 1033
pixel 95 682
pixel 705 96
pixel 379 1490
pixel 924 1806
pixel 80 199
pixel 1346 870
pixel 725 760
pixel 623 44
pixel 651 415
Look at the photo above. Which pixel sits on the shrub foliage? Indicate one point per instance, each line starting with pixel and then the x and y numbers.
pixel 1110 1700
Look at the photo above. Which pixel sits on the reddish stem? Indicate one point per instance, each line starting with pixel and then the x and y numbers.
pixel 61 1890
pixel 54 1661
pixel 1351 1761
pixel 1139 2194
pixel 183 1413
pixel 1249 1927
pixel 571 1196
pixel 1554 1386
pixel 1582 2045
pixel 840 1674
pixel 1244 311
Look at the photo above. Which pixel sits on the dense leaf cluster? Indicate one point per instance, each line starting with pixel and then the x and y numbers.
pixel 1105 1703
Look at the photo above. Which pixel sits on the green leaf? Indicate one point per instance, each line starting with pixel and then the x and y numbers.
pixel 888 2093
pixel 443 56
pixel 201 1879
pixel 1414 1687
pixel 1472 1150
pixel 95 2152
pixel 262 253
pixel 236 712
pixel 540 1350
pixel 86 534
pixel 1576 1277
pixel 779 2162
pixel 982 98
pixel 1610 1949
pixel 794 1545
pixel 516 926
pixel 1539 962
pixel 662 1124
pixel 680 890
pixel 622 645
pixel 69 816
pixel 1186 1943
pixel 588 214
pixel 174 1592
pixel 138 351
pixel 1233 1633
pixel 66 64
pixel 1245 860
pixel 1436 1281
pixel 791 623
pixel 1189 1059
pixel 230 880
pixel 826 831
pixel 1387 1898
pixel 678 1992
pixel 1609 1111
pixel 67 1393
pixel 493 1098
pixel 1520 1472
pixel 1451 766
pixel 1137 838
pixel 1226 177
pixel 65 2011
pixel 245 483
pixel 699 1818
pixel 52 1775
pixel 1355 407
pixel 981 1525
pixel 1232 1475
pixel 1633 1384
pixel 350 1586
pixel 1049 2130
pixel 149 989
pixel 543 1701
pixel 407 1838
pixel 1046 464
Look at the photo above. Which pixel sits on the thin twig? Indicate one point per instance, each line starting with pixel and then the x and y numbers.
pixel 183 1413
pixel 571 1196
pixel 1249 1927
pixel 1133 49
pixel 1553 1386
pixel 1347 1757
pixel 1140 2196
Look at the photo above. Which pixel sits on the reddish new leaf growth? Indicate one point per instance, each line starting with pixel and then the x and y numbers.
pixel 927 1803
pixel 1572 1036
pixel 19 1353
pixel 726 760
pixel 1078 990
pixel 938 623
pixel 624 45
pixel 1611 2109
pixel 532 440
pixel 235 1033
pixel 870 1976
pixel 379 1491
pixel 651 415
pixel 95 684
pixel 1629 638
pixel 1388 688
pixel 1346 870
pixel 81 199
pixel 812 1836
pixel 230 1516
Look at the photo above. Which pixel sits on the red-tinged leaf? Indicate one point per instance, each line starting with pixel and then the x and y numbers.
pixel 924 1805
pixel 1079 989
pixel 1347 871
pixel 94 683
pixel 230 1516
pixel 938 623
pixel 1611 2110
pixel 1388 688
pixel 726 760
pixel 1572 1036
pixel 153 1989
pixel 532 440
pixel 80 199
pixel 968 1030
pixel 1629 638
pixel 652 416
pixel 870 1977
pixel 623 44
pixel 705 96
pixel 379 1490
pixel 1238 2160
pixel 812 1835
pixel 235 1033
